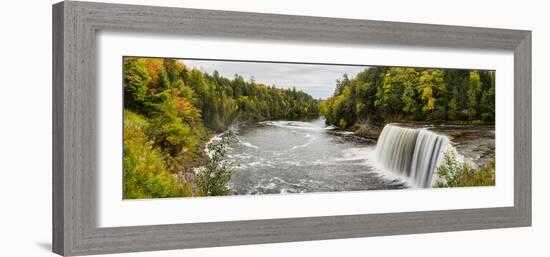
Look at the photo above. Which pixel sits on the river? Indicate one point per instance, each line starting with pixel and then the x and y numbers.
pixel 274 157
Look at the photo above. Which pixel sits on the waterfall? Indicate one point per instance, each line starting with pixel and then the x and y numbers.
pixel 410 152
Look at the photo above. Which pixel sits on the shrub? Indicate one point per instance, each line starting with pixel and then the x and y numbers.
pixel 456 173
pixel 212 178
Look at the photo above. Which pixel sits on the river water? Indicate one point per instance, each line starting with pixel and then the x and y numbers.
pixel 298 157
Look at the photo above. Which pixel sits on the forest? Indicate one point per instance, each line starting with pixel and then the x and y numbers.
pixel 171 111
pixel 379 95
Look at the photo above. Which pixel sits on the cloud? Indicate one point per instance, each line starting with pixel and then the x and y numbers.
pixel 315 79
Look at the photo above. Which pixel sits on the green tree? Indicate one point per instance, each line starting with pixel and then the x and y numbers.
pixel 362 91
pixel 474 92
pixel 344 108
pixel 163 82
pixel 167 127
pixel 409 77
pixel 487 103
pixel 392 92
pixel 341 84
pixel 136 78
pixel 453 112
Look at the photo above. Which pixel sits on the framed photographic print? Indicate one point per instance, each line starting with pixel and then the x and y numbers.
pixel 183 128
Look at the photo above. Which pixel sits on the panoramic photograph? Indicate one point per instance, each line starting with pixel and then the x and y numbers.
pixel 197 127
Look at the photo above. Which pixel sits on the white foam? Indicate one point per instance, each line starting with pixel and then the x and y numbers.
pixel 355 154
pixel 309 142
pixel 293 125
pixel 247 144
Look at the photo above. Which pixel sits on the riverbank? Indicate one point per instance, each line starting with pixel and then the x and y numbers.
pixel 367 130
pixel 370 131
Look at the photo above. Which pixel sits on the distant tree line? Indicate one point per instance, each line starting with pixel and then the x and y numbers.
pixel 171 110
pixel 384 94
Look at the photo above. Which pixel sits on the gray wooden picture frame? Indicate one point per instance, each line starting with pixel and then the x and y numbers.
pixel 75 25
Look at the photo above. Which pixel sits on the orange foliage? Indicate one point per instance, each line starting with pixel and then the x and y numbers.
pixel 153 66
pixel 181 104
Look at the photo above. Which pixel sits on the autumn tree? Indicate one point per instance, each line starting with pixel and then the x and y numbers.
pixel 385 94
pixel 432 88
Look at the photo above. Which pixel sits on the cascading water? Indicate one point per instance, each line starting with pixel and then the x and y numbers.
pixel 414 153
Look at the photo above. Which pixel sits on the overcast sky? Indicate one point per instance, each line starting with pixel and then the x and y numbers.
pixel 317 80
